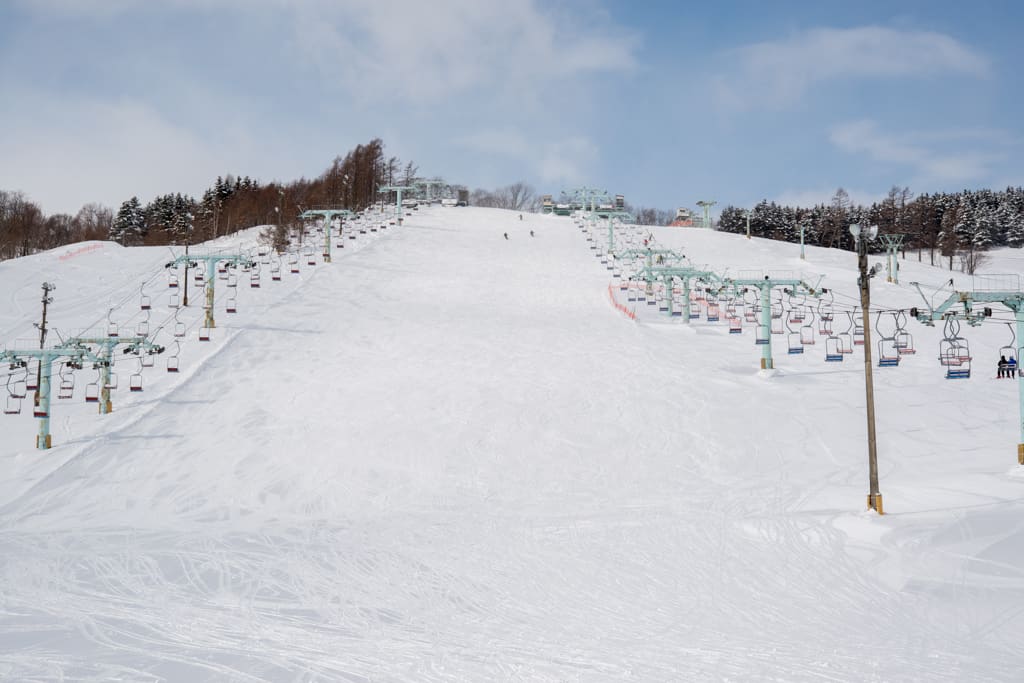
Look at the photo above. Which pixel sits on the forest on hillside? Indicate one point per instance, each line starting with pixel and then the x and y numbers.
pixel 956 227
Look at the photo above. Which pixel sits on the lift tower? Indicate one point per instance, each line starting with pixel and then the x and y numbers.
pixel 764 286
pixel 398 203
pixel 328 215
pixel 1012 299
pixel 211 261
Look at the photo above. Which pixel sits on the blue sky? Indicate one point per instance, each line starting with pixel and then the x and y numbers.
pixel 664 102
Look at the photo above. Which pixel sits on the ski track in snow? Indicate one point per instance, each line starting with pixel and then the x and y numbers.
pixel 447 457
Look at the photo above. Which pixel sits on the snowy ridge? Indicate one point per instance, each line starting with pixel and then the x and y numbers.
pixel 447 456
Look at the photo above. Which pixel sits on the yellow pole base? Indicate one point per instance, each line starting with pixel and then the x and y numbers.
pixel 43 444
pixel 1020 453
pixel 109 407
pixel 875 503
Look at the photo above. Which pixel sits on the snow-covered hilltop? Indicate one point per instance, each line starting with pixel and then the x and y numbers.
pixel 448 456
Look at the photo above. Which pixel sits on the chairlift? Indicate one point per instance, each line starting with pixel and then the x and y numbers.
pixel 888 353
pixel 807 329
pixel 142 329
pixel 135 381
pixel 40 411
pixel 204 333
pixel 173 361
pixel 254 280
pixel 1009 351
pixel 174 301
pixel 735 325
pixel 794 346
pixel 858 329
pixel 172 280
pixel 232 305
pixel 32 376
pixel 147 359
pixel 777 325
pixel 145 303
pixel 833 350
pixel 760 338
pixel 713 312
pixel 111 381
pixel 92 391
pixel 66 388
pixel 17 387
pixel 232 280
pixel 12 406
pixel 275 272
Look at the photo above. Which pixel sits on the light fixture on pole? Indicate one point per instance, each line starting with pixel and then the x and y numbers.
pixel 862 236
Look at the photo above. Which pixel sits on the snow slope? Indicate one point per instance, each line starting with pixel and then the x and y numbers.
pixel 447 456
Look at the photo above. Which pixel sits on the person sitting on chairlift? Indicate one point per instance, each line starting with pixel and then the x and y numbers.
pixel 1011 368
pixel 1002 367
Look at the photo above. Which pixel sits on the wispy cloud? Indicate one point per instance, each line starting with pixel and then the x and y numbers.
pixel 553 160
pixel 444 47
pixel 929 158
pixel 776 73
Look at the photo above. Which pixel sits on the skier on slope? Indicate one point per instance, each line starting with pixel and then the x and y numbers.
pixel 1002 367
pixel 506 235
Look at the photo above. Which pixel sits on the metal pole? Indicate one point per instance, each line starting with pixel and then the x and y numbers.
pixel 748 224
pixel 398 206
pixel 43 441
pixel 1019 314
pixel 210 277
pixel 801 241
pixel 874 497
pixel 669 292
pixel 186 275
pixel 766 326
pixel 47 287
pixel 686 300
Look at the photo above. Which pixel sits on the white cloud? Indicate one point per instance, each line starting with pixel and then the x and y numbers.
pixel 399 51
pixel 934 158
pixel 777 73
pixel 553 160
pixel 72 153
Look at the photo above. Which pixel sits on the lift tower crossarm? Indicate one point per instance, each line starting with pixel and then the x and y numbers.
pixel 398 202
pixel 328 215
pixel 765 286
pixel 1013 300
pixel 46 357
pixel 211 261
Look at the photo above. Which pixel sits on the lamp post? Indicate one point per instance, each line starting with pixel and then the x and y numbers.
pixel 862 236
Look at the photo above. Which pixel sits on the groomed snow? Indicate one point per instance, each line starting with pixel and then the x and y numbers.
pixel 448 456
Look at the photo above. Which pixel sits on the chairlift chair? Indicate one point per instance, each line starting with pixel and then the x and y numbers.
pixel 12 406
pixel 39 411
pixel 112 330
pixel 111 382
pixel 694 311
pixel 145 303
pixel 32 377
pixel 905 343
pixel 232 280
pixel 254 280
pixel 794 346
pixel 135 382
pixel 888 354
pixel 713 312
pixel 174 301
pixel 833 350
pixel 172 364
pixel 92 392
pixel 147 360
pixel 777 325
pixel 204 333
pixel 232 305
pixel 735 325
pixel 172 280
pixel 760 338
pixel 142 329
